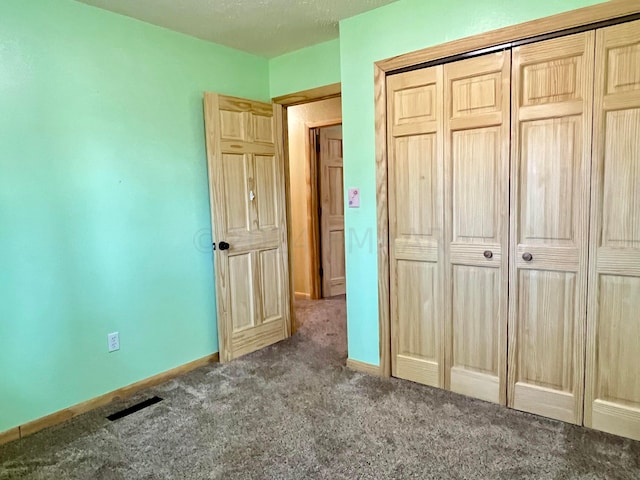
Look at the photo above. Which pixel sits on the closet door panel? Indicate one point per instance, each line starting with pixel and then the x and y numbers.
pixel 476 224
pixel 612 397
pixel 476 343
pixel 550 174
pixel 415 225
pixel 546 343
pixel 547 183
pixel 417 344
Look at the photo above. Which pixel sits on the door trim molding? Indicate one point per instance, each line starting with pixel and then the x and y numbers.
pixel 601 12
pixel 363 367
pixel 282 149
pixel 312 95
pixel 324 123
pixel 614 9
pixel 313 206
pixel 382 206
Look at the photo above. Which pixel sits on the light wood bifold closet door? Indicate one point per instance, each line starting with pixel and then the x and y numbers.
pixel 476 143
pixel 449 203
pixel 550 181
pixel 514 227
pixel 416 225
pixel 612 397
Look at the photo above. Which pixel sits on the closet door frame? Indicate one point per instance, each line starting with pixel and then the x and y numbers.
pixel 588 17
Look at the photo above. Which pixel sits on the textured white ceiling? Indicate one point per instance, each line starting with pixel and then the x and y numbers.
pixel 264 27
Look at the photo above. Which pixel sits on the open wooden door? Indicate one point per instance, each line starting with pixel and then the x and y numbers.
pixel 332 218
pixel 248 216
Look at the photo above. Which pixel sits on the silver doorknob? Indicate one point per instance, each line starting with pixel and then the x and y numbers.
pixel 488 254
pixel 527 257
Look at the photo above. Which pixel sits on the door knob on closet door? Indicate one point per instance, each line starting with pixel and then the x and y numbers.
pixel 527 257
pixel 488 254
pixel 223 246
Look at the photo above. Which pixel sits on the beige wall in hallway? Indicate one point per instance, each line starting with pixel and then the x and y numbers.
pixel 299 117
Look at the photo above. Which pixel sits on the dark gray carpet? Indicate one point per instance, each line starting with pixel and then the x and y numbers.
pixel 293 411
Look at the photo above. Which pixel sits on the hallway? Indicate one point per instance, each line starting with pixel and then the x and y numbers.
pixel 293 411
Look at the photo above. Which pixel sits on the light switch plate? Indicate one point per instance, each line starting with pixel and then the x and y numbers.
pixel 354 198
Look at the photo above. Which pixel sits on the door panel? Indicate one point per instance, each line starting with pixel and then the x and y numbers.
pixel 550 181
pixel 547 183
pixel 416 181
pixel 232 125
pixel 475 176
pixel 334 183
pixel 236 174
pixel 618 339
pixel 418 350
pixel 246 184
pixel 415 129
pixel 240 292
pixel 545 314
pixel 476 204
pixel 621 223
pixel 332 219
pixel 266 192
pixel 263 128
pixel 271 296
pixel 336 243
pixel 415 107
pixel 476 345
pixel 556 81
pixel 612 396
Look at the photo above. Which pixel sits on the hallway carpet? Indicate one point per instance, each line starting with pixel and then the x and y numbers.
pixel 293 411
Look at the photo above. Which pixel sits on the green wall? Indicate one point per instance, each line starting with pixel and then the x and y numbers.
pixel 400 27
pixel 104 211
pixel 307 68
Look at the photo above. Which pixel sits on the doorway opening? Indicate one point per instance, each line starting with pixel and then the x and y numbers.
pixel 316 200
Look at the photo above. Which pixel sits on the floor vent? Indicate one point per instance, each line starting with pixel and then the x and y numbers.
pixel 134 408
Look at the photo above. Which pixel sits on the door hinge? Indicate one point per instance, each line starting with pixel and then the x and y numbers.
pixel 319 211
pixel 321 272
pixel 317 141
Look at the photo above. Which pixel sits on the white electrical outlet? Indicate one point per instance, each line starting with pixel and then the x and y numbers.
pixel 113 340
